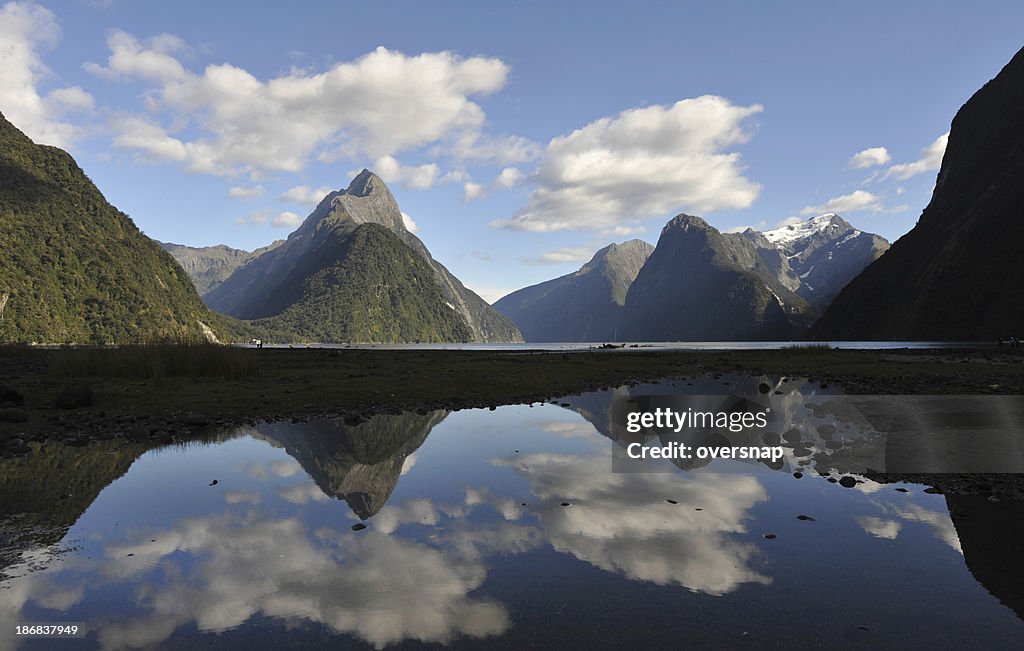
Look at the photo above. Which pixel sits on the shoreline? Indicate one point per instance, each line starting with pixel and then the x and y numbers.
pixel 355 383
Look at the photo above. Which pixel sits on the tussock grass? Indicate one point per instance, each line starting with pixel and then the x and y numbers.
pixel 807 348
pixel 14 351
pixel 156 361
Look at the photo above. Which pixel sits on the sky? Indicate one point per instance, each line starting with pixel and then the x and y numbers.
pixel 517 137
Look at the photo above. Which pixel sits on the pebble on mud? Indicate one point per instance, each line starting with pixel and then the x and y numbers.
pixel 359 526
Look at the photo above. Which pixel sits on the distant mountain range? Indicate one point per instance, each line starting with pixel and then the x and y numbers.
pixel 209 266
pixel 75 269
pixel 699 284
pixel 582 306
pixel 959 273
pixel 350 272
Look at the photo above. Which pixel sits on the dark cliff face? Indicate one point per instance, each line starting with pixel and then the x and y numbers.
pixel 585 305
pixel 281 283
pixel 73 268
pixel 958 274
pixel 703 285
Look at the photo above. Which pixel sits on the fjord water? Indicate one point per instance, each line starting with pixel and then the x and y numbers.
pixel 503 528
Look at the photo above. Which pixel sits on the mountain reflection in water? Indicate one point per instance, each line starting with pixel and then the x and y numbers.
pixel 506 529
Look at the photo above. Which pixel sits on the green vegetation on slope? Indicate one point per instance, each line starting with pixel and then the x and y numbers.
pixel 75 269
pixel 364 285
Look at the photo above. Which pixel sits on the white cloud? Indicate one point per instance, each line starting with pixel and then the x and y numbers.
pixel 257 218
pixel 644 162
pixel 151 60
pixel 410 225
pixel 507 178
pixel 499 150
pixel 25 29
pixel 623 231
pixel 254 192
pixel 931 159
pixel 287 218
pixel 377 105
pixel 856 201
pixel 563 255
pixel 305 194
pixel 416 177
pixel 471 191
pixel 72 98
pixel 870 158
pixel 148 139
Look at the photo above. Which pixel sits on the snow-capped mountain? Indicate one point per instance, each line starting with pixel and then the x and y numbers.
pixel 699 284
pixel 817 257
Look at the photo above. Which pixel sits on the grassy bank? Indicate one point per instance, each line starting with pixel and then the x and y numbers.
pixel 238 385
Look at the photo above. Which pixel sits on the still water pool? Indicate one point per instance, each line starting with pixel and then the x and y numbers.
pixel 496 529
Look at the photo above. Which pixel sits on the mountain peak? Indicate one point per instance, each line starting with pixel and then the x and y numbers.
pixel 685 222
pixel 364 184
pixel 806 228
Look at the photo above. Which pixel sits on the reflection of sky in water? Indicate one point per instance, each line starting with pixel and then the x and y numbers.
pixel 474 547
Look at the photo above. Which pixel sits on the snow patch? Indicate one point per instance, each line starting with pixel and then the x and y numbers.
pixel 801 230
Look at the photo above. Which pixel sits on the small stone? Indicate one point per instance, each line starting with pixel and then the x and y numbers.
pixel 763 388
pixel 832 480
pixel 798 475
pixel 805 518
pixel 770 536
pixel 214 482
pixel 565 504
pixel 847 481
pixel 671 501
pixel 902 490
pixel 931 490
pixel 826 431
pixel 359 526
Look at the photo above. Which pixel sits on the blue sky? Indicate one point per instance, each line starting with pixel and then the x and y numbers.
pixel 519 137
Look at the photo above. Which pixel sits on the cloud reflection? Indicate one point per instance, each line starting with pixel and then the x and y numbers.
pixel 374 586
pixel 621 522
